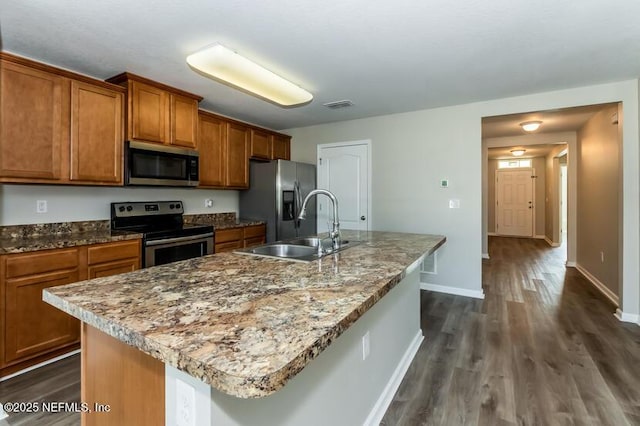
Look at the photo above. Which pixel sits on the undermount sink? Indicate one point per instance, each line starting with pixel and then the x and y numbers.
pixel 308 241
pixel 284 250
pixel 298 249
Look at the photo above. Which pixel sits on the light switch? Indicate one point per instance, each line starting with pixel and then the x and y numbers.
pixel 454 203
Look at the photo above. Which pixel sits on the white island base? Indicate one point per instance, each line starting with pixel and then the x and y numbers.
pixel 336 388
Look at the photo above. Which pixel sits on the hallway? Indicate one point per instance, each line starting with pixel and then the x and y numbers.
pixel 542 348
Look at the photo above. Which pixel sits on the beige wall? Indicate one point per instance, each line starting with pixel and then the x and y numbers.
pixel 492 165
pixel 538 164
pixel 598 198
pixel 412 151
pixel 552 194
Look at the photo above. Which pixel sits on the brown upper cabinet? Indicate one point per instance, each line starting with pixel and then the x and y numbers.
pixel 57 126
pixel 281 147
pixel 224 152
pixel 212 138
pixel 159 113
pixel 260 144
pixel 237 156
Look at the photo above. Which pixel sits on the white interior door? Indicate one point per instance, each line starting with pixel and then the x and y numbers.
pixel 343 169
pixel 514 209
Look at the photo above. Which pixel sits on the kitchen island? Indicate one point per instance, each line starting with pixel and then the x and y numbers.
pixel 251 340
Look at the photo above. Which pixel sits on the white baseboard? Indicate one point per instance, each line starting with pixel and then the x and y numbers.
pixel 540 237
pixel 570 264
pixel 42 364
pixel 382 404
pixel 485 255
pixel 491 234
pixel 551 243
pixel 599 285
pixel 477 294
pixel 624 317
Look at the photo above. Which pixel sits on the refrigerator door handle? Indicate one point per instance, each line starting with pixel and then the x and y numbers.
pixel 296 204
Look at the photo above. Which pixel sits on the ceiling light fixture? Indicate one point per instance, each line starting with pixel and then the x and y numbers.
pixel 530 126
pixel 228 67
pixel 518 152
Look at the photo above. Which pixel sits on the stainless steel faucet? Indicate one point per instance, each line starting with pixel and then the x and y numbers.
pixel 335 232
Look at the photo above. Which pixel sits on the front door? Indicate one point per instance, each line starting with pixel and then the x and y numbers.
pixel 343 169
pixel 514 209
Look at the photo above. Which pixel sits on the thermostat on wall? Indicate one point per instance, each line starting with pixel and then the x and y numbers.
pixel 444 183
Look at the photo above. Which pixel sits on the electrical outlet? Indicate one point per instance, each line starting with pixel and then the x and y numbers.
pixel 208 203
pixel 185 404
pixel 454 204
pixel 366 346
pixel 41 206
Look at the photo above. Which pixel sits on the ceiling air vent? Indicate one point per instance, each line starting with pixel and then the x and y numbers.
pixel 339 104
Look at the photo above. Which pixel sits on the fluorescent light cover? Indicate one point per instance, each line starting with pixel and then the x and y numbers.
pixel 530 126
pixel 518 152
pixel 226 65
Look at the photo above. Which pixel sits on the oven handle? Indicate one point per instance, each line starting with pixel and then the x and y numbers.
pixel 178 239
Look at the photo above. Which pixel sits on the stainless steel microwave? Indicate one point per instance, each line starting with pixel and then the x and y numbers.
pixel 158 165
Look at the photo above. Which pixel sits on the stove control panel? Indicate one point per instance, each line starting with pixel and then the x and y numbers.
pixel 146 208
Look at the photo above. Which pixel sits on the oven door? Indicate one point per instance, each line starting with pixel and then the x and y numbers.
pixel 160 252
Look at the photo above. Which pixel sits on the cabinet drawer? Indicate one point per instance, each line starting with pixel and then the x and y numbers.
pixel 228 246
pixel 255 241
pixel 255 231
pixel 113 268
pixel 224 235
pixel 113 251
pixel 18 265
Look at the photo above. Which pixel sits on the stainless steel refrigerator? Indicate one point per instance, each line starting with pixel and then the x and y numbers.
pixel 275 195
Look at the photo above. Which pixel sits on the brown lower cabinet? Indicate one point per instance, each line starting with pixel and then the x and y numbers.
pixel 33 331
pixel 237 238
pixel 128 380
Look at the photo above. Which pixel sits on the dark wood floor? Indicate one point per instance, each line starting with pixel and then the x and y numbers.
pixel 542 348
pixel 57 382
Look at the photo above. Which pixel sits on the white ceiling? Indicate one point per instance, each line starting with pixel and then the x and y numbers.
pixel 553 121
pixel 531 151
pixel 386 57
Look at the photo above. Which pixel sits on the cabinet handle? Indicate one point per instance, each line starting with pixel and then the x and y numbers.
pixel 363 218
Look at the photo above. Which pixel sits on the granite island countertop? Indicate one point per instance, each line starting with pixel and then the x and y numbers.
pixel 243 324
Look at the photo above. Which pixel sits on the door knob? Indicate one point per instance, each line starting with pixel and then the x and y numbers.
pixel 363 218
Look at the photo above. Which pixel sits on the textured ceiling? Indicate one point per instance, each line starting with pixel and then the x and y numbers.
pixel 386 57
pixel 531 151
pixel 553 121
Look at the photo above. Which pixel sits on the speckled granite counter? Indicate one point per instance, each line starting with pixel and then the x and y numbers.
pixel 242 324
pixel 222 220
pixel 28 238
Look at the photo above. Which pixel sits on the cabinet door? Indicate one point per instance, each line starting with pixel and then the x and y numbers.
pixel 33 123
pixel 260 144
pixel 32 326
pixel 280 148
pixel 184 121
pixel 113 268
pixel 149 113
pixel 228 246
pixel 96 134
pixel 211 139
pixel 237 156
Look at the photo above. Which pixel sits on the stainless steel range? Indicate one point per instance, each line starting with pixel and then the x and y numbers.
pixel 165 238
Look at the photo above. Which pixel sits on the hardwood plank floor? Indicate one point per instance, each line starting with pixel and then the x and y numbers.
pixel 56 382
pixel 542 348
